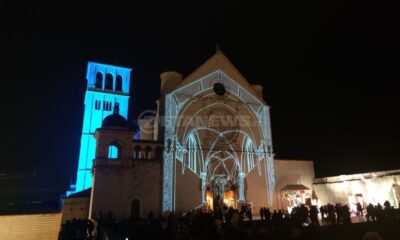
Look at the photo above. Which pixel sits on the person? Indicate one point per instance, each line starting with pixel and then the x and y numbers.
pixel 90 229
pixel 359 209
pixel 267 214
pixel 262 213
pixel 249 214
pixel 314 215
pixel 370 212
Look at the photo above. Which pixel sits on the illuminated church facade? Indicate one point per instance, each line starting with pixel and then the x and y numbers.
pixel 208 144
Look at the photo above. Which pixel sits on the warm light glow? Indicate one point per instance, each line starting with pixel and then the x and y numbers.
pixel 229 198
pixel 357 188
pixel 210 200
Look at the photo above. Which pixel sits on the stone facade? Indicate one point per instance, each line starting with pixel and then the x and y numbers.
pixel 134 175
pixel 217 137
pixel 44 226
pixel 75 208
pixel 210 140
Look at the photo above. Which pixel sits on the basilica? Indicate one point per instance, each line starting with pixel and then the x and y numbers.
pixel 208 144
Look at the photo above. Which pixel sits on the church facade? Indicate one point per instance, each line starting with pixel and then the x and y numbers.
pixel 209 144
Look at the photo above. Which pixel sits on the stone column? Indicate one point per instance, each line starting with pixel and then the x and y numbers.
pixel 241 187
pixel 203 187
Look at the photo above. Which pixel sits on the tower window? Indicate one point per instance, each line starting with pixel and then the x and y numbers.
pixel 97 105
pixel 113 151
pixel 107 106
pixel 99 80
pixel 118 83
pixel 109 81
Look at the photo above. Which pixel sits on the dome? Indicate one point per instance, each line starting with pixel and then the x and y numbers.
pixel 115 120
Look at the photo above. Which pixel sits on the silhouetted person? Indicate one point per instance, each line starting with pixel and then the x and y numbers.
pixel 90 229
pixel 267 214
pixel 359 209
pixel 249 214
pixel 262 213
pixel 370 213
pixel 314 215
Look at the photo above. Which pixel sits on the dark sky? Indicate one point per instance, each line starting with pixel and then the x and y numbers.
pixel 329 71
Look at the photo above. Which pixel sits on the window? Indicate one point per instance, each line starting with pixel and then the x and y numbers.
pixel 107 106
pixel 97 105
pixel 99 80
pixel 137 152
pixel 118 83
pixel 147 152
pixel 109 81
pixel 113 151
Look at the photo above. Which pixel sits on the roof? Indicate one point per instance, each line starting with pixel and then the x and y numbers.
pixel 294 187
pixel 115 120
pixel 219 62
pixel 82 194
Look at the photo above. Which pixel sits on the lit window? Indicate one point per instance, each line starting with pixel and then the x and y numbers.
pixel 113 151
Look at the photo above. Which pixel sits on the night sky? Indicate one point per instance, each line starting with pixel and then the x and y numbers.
pixel 329 71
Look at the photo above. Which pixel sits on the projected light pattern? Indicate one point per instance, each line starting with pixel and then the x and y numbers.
pixel 99 102
pixel 233 161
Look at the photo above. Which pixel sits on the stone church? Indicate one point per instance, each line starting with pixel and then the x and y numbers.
pixel 208 144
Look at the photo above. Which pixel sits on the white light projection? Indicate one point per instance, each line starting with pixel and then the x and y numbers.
pixel 208 151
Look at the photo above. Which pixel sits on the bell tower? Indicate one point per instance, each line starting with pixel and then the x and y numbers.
pixel 107 86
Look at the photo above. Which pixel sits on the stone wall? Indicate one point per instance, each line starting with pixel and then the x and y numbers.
pixel 293 172
pixel 30 226
pixel 118 182
pixel 256 188
pixel 189 195
pixel 77 208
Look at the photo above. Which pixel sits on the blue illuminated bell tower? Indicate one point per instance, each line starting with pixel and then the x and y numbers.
pixel 106 85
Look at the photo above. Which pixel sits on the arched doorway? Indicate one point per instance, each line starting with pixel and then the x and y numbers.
pixel 135 209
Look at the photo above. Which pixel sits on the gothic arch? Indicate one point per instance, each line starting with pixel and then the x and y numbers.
pixel 109 82
pixel 118 83
pixel 99 80
pixel 114 150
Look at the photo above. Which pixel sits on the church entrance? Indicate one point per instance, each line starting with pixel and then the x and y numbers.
pixel 221 192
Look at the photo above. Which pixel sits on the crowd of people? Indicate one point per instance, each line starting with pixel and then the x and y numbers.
pixel 77 229
pixel 223 223
pixel 382 213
